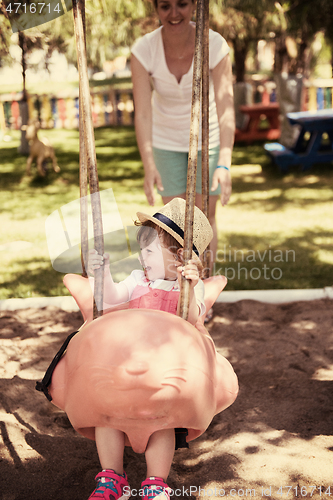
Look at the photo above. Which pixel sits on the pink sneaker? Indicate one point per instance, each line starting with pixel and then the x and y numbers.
pixel 111 486
pixel 155 488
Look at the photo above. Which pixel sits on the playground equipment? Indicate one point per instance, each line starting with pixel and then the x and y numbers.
pixel 140 370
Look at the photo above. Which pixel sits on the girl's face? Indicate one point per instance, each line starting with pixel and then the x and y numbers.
pixel 158 261
pixel 175 14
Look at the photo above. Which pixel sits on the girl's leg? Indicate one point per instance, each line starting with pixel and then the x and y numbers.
pixel 110 447
pixel 159 453
pixel 112 480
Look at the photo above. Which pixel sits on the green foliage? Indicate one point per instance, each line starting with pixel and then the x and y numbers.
pixel 243 23
pixel 110 25
pixel 283 223
pixel 5 34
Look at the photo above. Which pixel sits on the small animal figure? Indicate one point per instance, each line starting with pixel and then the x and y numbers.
pixel 39 149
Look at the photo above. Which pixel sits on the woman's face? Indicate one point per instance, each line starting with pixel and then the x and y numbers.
pixel 175 14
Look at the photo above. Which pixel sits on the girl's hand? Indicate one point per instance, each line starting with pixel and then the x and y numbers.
pixel 222 176
pixel 190 272
pixel 152 178
pixel 95 261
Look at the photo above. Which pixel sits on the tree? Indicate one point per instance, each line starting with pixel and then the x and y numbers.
pixel 5 34
pixel 243 23
pixel 110 25
pixel 28 40
pixel 300 21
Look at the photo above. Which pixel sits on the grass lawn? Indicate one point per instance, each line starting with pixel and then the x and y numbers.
pixel 276 232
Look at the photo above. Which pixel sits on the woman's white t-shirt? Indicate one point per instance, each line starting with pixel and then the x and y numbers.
pixel 171 101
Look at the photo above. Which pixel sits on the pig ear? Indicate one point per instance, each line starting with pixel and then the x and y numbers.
pixel 213 288
pixel 80 289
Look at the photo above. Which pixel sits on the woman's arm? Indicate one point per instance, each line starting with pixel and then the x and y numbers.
pixel 143 127
pixel 224 98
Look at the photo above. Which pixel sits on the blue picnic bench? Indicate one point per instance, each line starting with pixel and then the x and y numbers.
pixel 313 145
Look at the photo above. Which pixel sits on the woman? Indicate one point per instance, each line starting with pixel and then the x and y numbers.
pixel 162 120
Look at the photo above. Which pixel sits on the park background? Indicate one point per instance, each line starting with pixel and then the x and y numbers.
pixel 276 232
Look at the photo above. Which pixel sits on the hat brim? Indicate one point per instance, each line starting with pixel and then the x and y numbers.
pixel 145 217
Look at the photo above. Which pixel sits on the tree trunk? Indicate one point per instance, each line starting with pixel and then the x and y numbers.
pixel 240 53
pixel 289 93
pixel 24 111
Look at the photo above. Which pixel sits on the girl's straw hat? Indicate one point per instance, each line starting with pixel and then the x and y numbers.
pixel 172 219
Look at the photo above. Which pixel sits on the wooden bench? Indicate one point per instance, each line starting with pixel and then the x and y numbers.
pixel 310 146
pixel 282 156
pixel 256 114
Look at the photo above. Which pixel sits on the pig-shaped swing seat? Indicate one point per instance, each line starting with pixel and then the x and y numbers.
pixel 141 370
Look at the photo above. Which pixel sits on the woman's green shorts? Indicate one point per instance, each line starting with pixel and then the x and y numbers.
pixel 172 166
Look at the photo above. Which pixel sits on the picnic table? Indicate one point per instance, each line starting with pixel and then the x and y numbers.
pixel 255 116
pixel 313 145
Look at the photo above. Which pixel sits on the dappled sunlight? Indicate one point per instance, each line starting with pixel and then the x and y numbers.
pixel 266 451
pixel 267 211
pixel 309 179
pixel 30 276
pixel 304 325
pixel 222 320
pixel 308 195
pixel 254 196
pixel 324 373
pixel 246 170
pixel 277 432
pixel 325 256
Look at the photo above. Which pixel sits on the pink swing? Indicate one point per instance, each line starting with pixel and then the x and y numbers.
pixel 139 371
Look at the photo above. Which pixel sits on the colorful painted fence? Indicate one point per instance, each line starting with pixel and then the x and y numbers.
pixel 317 94
pixel 113 107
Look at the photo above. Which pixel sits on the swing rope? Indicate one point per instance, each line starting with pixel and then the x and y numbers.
pixel 83 178
pixel 88 162
pixel 201 39
pixel 205 130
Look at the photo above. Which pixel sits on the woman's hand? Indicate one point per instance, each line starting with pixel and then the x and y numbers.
pixel 222 176
pixel 152 179
pixel 95 261
pixel 190 272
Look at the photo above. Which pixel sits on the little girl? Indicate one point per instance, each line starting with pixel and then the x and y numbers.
pixel 157 286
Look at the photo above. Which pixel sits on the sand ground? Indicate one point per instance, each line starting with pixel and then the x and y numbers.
pixel 275 441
